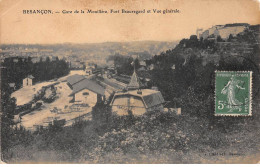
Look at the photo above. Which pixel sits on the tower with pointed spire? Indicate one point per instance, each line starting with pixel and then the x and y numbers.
pixel 134 82
pixel 136 101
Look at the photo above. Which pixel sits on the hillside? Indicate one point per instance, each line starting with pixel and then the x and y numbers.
pixel 196 60
pixel 212 49
pixel 96 52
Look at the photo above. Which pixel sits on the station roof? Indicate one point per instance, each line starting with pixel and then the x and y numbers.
pixel 150 97
pixel 75 79
pixel 87 84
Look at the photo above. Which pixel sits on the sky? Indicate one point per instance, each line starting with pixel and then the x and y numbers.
pixel 19 28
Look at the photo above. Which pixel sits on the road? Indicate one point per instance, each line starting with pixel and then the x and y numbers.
pixel 43 116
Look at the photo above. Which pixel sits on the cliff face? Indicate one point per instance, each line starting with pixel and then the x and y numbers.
pixel 243 45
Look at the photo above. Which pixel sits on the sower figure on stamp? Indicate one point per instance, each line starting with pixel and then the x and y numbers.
pixel 229 89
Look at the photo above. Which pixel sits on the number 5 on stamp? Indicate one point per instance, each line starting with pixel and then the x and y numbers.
pixel 233 91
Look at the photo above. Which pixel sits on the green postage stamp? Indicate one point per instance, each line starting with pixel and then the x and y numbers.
pixel 233 91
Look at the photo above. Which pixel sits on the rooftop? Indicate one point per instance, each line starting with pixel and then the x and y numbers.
pixel 75 79
pixel 150 97
pixel 12 84
pixel 30 76
pixel 87 84
pixel 134 82
pixel 236 24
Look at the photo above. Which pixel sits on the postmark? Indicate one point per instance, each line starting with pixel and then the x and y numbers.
pixel 233 90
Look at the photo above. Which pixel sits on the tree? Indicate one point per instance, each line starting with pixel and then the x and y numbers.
pixel 219 39
pixel 230 38
pixel 194 38
pixel 137 64
pixel 8 110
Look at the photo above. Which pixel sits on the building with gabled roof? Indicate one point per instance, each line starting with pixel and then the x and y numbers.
pixel 88 92
pixel 88 84
pixel 141 69
pixel 136 101
pixel 142 63
pixel 12 86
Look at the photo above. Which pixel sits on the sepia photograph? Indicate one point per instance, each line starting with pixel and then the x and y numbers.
pixel 130 82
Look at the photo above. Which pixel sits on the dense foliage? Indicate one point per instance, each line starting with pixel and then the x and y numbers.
pixel 124 64
pixel 14 72
pixel 152 138
pixel 16 69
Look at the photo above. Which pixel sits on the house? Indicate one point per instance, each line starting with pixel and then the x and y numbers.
pixel 141 69
pixel 142 63
pixel 77 64
pixel 28 81
pixel 12 86
pixel 136 101
pixel 89 70
pixel 87 92
pixel 151 67
pixel 173 67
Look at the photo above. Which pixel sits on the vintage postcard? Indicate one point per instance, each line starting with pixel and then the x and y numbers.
pixel 130 81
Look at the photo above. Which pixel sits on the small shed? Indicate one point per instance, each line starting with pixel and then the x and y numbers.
pixel 12 86
pixel 142 63
pixel 28 81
